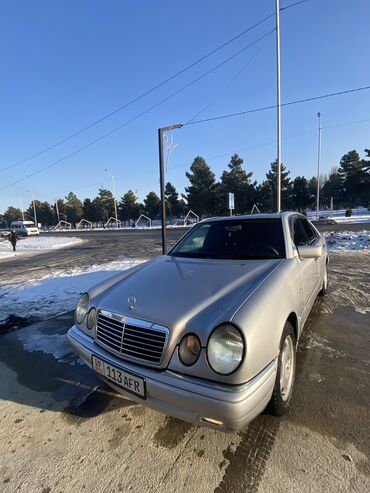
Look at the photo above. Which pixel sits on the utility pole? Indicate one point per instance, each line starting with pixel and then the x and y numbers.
pixel 278 185
pixel 57 210
pixel 20 201
pixel 34 207
pixel 114 197
pixel 161 179
pixel 318 168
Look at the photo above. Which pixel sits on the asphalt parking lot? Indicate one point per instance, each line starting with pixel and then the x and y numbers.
pixel 62 430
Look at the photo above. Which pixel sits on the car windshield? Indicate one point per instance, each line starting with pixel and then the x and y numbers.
pixel 233 239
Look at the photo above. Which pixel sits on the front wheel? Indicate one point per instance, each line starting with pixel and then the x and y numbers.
pixel 284 383
pixel 324 288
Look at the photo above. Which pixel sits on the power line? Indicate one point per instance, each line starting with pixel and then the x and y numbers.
pixel 346 123
pixel 293 5
pixel 224 87
pixel 290 103
pixel 149 91
pixel 127 122
pixel 141 96
pixel 219 156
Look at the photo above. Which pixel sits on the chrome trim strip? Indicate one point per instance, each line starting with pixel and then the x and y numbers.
pixel 131 347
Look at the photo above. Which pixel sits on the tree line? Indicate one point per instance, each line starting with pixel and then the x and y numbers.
pixel 348 185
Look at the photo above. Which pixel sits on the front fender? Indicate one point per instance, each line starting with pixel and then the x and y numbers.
pixel 263 316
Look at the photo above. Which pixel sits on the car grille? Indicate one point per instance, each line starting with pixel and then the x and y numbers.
pixel 133 341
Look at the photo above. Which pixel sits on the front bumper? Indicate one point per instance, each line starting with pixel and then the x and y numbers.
pixel 185 397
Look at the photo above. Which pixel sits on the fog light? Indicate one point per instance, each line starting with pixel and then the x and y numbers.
pixel 91 319
pixel 213 421
pixel 189 349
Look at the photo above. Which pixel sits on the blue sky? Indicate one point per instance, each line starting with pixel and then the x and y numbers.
pixel 67 64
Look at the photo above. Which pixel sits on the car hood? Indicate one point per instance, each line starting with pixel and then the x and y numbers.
pixel 187 294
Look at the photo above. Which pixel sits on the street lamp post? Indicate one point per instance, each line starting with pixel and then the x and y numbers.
pixel 114 197
pixel 57 210
pixel 34 207
pixel 161 179
pixel 278 170
pixel 21 204
pixel 318 168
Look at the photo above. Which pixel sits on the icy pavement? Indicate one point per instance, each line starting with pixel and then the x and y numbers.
pixel 348 240
pixel 57 293
pixel 36 244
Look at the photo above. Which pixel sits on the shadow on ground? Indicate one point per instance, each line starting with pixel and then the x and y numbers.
pixel 331 397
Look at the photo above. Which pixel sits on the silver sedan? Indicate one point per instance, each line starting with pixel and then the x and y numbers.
pixel 208 333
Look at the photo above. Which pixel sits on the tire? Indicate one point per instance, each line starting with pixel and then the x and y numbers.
pixel 324 288
pixel 284 384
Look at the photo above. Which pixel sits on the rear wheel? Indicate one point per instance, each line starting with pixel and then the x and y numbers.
pixel 284 383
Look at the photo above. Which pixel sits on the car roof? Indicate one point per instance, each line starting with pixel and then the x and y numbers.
pixel 274 215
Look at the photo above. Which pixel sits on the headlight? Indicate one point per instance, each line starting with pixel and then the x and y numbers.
pixel 189 349
pixel 225 349
pixel 91 319
pixel 82 307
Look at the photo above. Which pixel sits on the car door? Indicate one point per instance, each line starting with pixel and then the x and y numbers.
pixel 304 235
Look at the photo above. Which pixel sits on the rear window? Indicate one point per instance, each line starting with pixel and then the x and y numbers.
pixel 233 239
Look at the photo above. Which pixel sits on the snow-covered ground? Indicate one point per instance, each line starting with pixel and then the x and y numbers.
pixel 35 244
pixel 360 215
pixel 348 240
pixel 364 219
pixel 55 294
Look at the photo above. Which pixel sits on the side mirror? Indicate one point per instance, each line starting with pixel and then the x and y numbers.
pixel 309 251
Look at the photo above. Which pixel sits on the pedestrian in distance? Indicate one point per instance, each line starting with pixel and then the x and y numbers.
pixel 13 238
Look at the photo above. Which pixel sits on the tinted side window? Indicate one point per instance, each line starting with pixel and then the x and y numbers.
pixel 310 232
pixel 314 232
pixel 303 234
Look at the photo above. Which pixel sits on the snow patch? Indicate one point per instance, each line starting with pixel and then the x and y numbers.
pixel 57 293
pixel 36 244
pixel 321 344
pixel 348 240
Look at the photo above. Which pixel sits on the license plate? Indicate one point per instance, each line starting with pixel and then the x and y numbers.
pixel 128 381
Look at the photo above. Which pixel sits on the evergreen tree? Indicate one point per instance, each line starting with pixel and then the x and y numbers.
pixel 45 213
pixel 300 193
pixel 59 206
pixel 103 205
pixel 351 172
pixel 89 212
pixel 312 190
pixel 172 200
pixel 73 208
pixel 285 186
pixel 29 214
pixel 264 198
pixel 201 194
pixel 129 207
pixel 12 214
pixel 237 181
pixel 152 204
pixel 182 208
pixel 366 164
pixel 365 187
pixel 332 189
